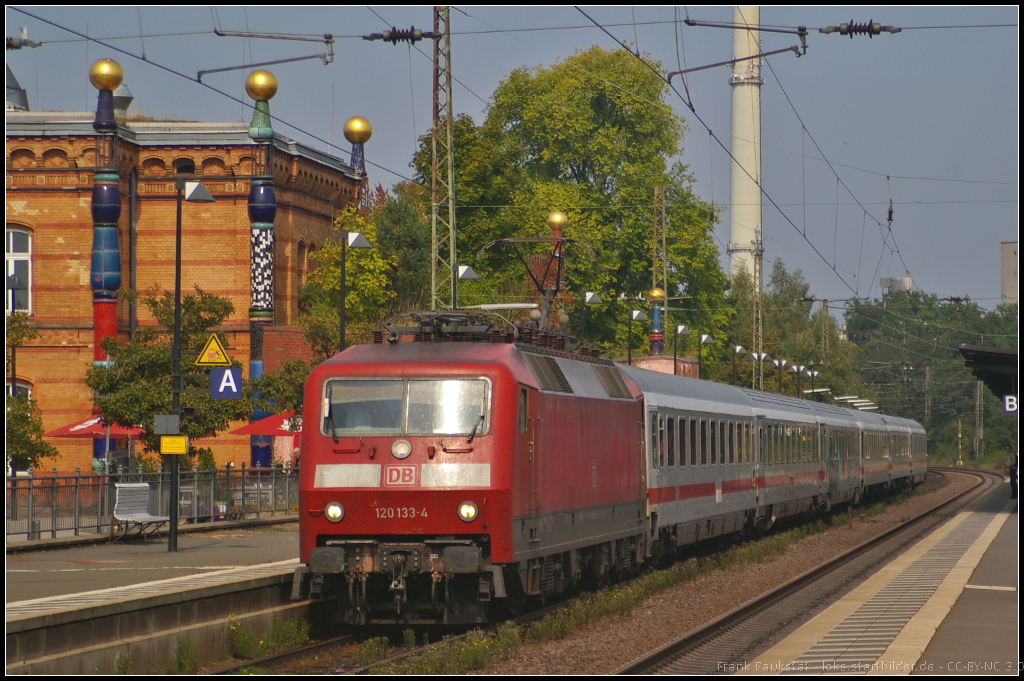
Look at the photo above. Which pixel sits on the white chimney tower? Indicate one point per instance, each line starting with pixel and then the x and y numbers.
pixel 745 194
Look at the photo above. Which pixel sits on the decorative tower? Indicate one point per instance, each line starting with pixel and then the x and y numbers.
pixel 657 335
pixel 261 85
pixel 358 131
pixel 105 275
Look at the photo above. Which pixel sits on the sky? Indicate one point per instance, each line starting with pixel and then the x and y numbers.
pixel 927 118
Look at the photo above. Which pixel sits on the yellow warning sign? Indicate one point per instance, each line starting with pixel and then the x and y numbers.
pixel 213 354
pixel 173 444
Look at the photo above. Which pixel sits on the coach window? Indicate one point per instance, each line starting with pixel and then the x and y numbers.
pixel 671 441
pixel 713 427
pixel 703 442
pixel 732 442
pixel 684 442
pixel 654 439
pixel 693 442
pixel 19 265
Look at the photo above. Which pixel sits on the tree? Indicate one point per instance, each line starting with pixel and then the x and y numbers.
pixel 792 330
pixel 137 386
pixel 591 136
pixel 366 290
pixel 24 423
pixel 909 353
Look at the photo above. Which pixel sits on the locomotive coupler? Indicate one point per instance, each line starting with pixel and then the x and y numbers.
pixel 398 581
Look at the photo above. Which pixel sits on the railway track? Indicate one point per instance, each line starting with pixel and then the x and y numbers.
pixel 722 645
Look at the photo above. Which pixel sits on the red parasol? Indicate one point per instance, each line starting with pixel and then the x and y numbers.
pixel 276 425
pixel 93 428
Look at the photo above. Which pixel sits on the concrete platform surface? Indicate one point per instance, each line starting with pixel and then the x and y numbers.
pixel 88 568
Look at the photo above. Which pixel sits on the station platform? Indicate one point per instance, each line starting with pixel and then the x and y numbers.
pixel 948 605
pixel 75 569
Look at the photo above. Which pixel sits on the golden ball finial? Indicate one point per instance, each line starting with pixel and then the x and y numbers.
pixel 557 219
pixel 261 85
pixel 358 130
pixel 657 294
pixel 106 74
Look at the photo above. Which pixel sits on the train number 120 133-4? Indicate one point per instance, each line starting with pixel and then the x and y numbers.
pixel 400 512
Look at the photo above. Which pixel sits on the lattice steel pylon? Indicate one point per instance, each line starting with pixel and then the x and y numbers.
pixel 443 261
pixel 757 246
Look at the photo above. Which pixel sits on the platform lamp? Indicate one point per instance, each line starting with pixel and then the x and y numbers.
pixel 737 351
pixel 357 131
pixel 681 330
pixel 753 358
pixel 813 375
pixel 589 298
pixel 192 192
pixel 705 339
pixel 634 316
pixel 781 364
pixel 797 369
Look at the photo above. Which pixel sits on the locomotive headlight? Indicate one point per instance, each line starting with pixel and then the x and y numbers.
pixel 468 511
pixel 401 449
pixel 334 512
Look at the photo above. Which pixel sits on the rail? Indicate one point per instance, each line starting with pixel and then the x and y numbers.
pixel 67 505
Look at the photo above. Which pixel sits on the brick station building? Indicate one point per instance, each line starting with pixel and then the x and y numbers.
pixel 51 159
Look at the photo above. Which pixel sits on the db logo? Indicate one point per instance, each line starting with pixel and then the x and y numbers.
pixel 400 475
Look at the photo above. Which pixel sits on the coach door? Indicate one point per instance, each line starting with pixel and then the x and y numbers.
pixel 758 467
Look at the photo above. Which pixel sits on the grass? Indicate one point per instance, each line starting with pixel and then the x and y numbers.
pixel 373 650
pixel 284 634
pixel 185 659
pixel 479 649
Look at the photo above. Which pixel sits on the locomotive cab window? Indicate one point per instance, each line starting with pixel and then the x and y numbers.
pixel 409 406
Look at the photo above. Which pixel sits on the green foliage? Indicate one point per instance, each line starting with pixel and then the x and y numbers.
pixel 408 639
pixel 793 330
pixel 284 386
pixel 474 651
pixel 24 430
pixel 403 233
pixel 185 659
pixel 284 634
pixel 909 356
pixel 123 665
pixel 373 650
pixel 138 386
pixel 366 290
pixel 593 137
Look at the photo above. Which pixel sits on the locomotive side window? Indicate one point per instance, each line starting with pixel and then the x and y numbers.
pixel 364 407
pixel 522 410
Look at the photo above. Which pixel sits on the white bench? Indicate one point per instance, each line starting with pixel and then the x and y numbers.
pixel 131 510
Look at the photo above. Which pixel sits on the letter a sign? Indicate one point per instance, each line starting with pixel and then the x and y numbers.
pixel 226 384
pixel 213 354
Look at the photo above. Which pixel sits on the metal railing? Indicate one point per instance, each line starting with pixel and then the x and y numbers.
pixel 65 505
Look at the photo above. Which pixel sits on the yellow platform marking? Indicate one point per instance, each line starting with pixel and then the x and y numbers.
pixel 907 648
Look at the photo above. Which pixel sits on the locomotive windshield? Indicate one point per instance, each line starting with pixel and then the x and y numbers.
pixel 409 407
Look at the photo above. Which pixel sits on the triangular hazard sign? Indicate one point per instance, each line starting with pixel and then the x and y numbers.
pixel 213 354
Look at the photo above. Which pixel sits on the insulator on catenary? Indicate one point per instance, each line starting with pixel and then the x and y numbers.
pixel 401 35
pixel 852 28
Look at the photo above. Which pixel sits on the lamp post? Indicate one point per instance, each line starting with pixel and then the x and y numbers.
pixel 193 192
pixel 737 351
pixel 705 339
pixel 589 298
pixel 798 370
pixel 753 358
pixel 348 240
pixel 681 330
pixel 781 364
pixel 634 316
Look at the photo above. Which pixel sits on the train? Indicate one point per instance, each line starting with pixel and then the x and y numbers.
pixel 459 466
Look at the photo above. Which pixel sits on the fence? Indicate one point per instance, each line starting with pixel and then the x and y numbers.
pixel 39 506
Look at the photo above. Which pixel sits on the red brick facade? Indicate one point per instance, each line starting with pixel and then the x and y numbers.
pixel 49 189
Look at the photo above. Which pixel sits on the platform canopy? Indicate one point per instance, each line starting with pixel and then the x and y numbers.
pixel 995 367
pixel 276 425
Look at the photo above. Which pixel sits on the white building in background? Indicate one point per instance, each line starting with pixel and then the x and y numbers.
pixel 1008 271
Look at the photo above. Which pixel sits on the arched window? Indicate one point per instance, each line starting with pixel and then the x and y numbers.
pixel 19 271
pixel 24 388
pixel 185 166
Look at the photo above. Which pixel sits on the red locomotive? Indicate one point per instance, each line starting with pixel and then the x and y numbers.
pixel 442 477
